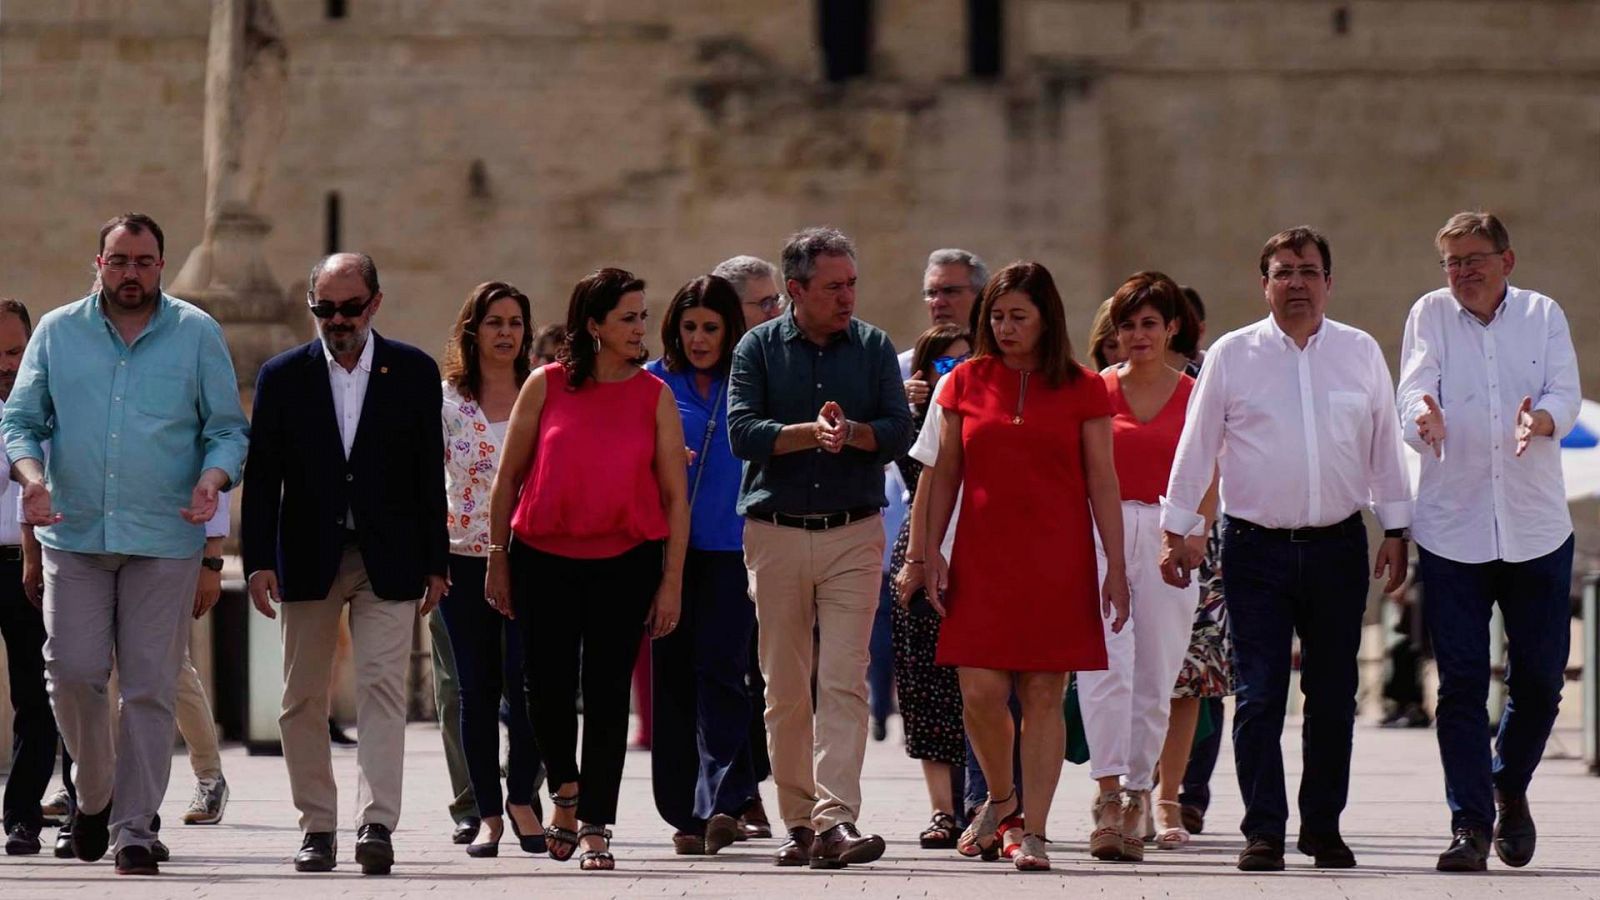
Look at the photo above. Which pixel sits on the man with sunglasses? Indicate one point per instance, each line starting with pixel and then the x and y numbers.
pixel 136 394
pixel 346 507
pixel 1488 386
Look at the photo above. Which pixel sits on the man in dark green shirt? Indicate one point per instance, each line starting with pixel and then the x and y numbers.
pixel 816 408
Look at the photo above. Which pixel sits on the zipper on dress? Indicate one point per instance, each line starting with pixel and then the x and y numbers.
pixel 1022 397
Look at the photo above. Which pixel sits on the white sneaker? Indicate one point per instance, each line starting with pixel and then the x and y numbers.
pixel 210 799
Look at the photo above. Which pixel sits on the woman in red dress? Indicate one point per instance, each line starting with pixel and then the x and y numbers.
pixel 1027 431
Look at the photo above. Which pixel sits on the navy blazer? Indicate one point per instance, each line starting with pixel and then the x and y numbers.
pixel 298 484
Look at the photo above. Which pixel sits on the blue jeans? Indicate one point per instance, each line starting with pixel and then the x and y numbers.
pixel 880 664
pixel 1535 606
pixel 1277 588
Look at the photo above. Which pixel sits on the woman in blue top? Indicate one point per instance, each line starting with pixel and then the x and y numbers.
pixel 700 761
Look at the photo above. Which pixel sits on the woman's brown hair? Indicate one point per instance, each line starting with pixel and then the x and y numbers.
pixel 931 345
pixel 461 352
pixel 1033 281
pixel 593 298
pixel 1102 330
pixel 711 292
pixel 1151 289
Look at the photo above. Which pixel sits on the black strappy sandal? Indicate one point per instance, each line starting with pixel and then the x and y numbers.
pixel 940 834
pixel 561 842
pixel 596 860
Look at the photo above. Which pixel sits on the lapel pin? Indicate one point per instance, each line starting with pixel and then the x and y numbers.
pixel 383 370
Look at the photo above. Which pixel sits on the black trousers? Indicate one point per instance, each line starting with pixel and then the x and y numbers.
pixel 488 654
pixel 581 622
pixel 34 738
pixel 700 746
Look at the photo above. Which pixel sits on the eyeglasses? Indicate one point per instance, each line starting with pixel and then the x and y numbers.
pixel 948 292
pixel 1288 274
pixel 768 305
pixel 141 264
pixel 943 364
pixel 327 309
pixel 1470 261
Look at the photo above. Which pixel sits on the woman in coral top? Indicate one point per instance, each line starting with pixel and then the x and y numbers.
pixel 594 467
pixel 1125 707
pixel 1027 433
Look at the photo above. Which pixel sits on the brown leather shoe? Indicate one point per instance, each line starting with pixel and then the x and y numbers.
pixel 842 845
pixel 754 825
pixel 721 831
pixel 796 851
pixel 686 843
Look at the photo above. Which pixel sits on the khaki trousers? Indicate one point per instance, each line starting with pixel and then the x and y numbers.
pixel 380 632
pixel 827 583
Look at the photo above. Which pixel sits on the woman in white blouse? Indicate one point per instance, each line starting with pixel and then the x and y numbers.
pixel 485 364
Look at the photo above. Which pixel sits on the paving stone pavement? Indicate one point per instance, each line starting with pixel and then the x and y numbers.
pixel 1396 824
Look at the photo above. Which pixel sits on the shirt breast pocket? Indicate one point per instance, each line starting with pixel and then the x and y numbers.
pixel 1349 417
pixel 164 395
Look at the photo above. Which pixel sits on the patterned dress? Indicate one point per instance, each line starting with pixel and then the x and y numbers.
pixel 1208 669
pixel 929 694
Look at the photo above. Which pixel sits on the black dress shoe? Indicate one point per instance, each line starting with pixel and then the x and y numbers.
pixel 843 845
pixel 1468 852
pixel 1262 853
pixel 880 729
pixel 796 851
pixel 1194 819
pixel 91 834
pixel 318 852
pixel 159 851
pixel 1327 850
pixel 1514 834
pixel 22 840
pixel 374 849
pixel 136 860
pixel 64 842
pixel 337 735
pixel 466 830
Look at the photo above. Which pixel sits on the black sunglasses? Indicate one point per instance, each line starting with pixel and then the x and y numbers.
pixel 327 309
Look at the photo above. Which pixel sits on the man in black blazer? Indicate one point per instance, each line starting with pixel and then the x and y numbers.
pixel 345 504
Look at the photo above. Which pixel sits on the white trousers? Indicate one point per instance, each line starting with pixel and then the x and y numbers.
pixel 1125 707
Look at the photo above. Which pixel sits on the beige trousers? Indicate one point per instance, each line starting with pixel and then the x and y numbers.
pixel 822 582
pixel 380 632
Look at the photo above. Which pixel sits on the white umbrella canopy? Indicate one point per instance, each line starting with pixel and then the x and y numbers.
pixel 1580 456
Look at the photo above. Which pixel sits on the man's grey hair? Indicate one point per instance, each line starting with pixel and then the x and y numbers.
pixel 801 252
pixel 951 256
pixel 334 262
pixel 742 269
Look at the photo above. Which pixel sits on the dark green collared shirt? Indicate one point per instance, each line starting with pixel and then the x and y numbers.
pixel 779 378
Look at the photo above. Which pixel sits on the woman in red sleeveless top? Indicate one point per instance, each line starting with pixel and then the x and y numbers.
pixel 594 467
pixel 1027 433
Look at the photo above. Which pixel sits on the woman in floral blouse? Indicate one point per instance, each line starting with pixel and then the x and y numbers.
pixel 486 362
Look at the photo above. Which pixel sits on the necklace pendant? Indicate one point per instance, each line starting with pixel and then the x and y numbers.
pixel 1016 420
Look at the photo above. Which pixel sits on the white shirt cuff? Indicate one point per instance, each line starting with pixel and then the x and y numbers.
pixel 1394 514
pixel 1180 521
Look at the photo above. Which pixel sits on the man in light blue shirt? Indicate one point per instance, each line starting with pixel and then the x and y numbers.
pixel 136 392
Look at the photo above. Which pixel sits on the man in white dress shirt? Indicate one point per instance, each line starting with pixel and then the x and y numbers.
pixel 1488 385
pixel 1298 412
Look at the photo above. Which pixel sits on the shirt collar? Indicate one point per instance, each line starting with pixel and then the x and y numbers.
pixel 1505 300
pixel 156 317
pixel 1277 330
pixel 789 330
pixel 364 363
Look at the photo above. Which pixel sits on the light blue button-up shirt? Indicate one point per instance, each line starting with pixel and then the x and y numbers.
pixel 131 426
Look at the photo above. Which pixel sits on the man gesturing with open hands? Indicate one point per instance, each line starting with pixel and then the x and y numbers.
pixel 136 394
pixel 1488 382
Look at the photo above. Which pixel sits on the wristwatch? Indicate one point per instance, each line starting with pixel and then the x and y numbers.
pixel 1403 534
pixel 214 563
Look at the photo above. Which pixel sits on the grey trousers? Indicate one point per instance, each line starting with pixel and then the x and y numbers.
pixel 135 608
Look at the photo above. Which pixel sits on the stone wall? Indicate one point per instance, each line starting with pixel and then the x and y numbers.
pixel 534 141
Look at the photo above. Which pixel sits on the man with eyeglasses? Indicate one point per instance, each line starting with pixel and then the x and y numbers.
pixel 136 394
pixel 1488 386
pixel 756 281
pixel 951 283
pixel 346 507
pixel 1298 411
